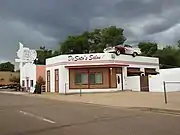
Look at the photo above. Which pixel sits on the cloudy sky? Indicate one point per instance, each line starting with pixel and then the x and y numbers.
pixel 47 22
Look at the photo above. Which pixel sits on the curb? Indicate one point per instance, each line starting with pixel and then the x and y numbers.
pixel 157 110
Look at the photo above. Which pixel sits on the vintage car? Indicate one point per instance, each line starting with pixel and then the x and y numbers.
pixel 120 49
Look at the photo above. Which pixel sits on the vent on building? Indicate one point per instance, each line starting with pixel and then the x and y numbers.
pixel 113 56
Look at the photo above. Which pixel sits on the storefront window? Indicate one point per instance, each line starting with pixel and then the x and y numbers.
pixel 81 78
pixel 96 78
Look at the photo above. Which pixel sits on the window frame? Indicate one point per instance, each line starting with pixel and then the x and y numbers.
pixel 80 83
pixel 95 78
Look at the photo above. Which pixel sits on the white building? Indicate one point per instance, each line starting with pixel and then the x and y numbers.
pixel 96 72
pixel 99 72
pixel 29 72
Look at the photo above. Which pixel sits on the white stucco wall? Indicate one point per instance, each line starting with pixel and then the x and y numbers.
pixel 63 78
pixel 59 62
pixel 171 76
pixel 139 61
pixel 133 83
pixel 29 70
pixel 155 83
pixel 64 82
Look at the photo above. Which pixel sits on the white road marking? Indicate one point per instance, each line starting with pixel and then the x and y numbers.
pixel 38 117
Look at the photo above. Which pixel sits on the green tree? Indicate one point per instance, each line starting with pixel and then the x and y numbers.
pixel 113 36
pixel 178 44
pixel 94 41
pixel 75 45
pixel 43 54
pixel 148 48
pixel 38 86
pixel 169 57
pixel 40 80
pixel 7 66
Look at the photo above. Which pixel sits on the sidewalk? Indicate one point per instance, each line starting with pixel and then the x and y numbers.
pixel 132 100
pixel 14 92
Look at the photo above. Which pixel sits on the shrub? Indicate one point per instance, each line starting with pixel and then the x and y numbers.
pixel 39 83
pixel 37 88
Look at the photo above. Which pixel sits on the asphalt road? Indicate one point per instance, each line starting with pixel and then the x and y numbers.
pixel 23 115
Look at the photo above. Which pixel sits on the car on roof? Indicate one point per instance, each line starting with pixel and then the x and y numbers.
pixel 123 49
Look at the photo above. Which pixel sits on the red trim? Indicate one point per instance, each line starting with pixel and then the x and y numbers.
pixel 48 81
pixel 122 81
pixel 109 77
pixel 96 66
pixel 56 80
pixel 69 80
pixel 88 80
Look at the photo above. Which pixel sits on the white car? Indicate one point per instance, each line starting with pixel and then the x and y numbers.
pixel 120 49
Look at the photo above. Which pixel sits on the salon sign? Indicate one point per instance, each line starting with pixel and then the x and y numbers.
pixel 85 57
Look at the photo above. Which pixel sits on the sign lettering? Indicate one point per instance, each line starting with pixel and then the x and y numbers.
pixel 85 57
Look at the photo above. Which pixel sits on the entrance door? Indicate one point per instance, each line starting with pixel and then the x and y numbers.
pixel 144 83
pixel 119 82
pixel 27 83
pixel 48 81
pixel 57 80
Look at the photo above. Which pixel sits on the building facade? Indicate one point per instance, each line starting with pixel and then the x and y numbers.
pixel 97 72
pixel 29 72
pixel 30 75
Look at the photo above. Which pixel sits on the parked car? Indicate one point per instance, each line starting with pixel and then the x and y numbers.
pixel 120 49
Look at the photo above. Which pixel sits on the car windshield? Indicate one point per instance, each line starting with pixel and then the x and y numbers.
pixel 128 46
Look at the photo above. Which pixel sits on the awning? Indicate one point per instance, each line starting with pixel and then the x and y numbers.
pixel 115 65
pixel 135 72
pixel 152 72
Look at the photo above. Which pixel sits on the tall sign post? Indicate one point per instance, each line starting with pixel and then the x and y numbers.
pixel 25 55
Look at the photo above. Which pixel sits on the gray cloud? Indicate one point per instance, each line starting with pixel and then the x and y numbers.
pixel 47 22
